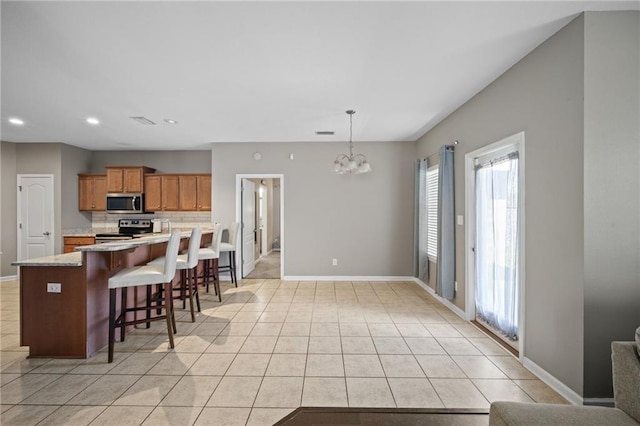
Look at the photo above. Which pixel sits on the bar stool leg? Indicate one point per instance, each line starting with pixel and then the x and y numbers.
pixel 169 314
pixel 216 279
pixel 112 321
pixel 195 287
pixel 123 310
pixel 189 284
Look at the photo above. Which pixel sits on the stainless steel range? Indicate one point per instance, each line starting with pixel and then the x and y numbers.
pixel 127 230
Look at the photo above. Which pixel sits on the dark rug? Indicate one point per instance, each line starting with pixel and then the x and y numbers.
pixel 386 416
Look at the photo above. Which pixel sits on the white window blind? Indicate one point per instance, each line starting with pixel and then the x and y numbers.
pixel 432 212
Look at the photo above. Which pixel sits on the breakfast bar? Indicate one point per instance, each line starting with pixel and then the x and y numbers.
pixel 64 299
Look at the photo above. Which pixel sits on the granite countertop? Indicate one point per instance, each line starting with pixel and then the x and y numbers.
pixel 75 258
pixel 67 259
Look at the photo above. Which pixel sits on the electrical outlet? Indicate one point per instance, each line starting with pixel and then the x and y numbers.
pixel 334 262
pixel 54 288
pixel 455 285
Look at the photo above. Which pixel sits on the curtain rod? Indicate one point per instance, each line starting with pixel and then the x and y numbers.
pixel 456 142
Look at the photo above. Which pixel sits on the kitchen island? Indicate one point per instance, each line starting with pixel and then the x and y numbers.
pixel 64 299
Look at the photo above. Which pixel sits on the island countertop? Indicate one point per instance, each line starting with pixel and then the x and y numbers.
pixel 67 259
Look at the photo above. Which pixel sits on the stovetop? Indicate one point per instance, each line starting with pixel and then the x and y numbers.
pixel 130 228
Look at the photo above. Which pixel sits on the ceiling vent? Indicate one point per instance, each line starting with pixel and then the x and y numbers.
pixel 143 120
pixel 325 132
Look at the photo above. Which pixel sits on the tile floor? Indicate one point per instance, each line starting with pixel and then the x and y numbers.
pixel 270 347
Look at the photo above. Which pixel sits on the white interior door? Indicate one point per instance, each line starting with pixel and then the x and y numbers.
pixel 248 226
pixel 35 216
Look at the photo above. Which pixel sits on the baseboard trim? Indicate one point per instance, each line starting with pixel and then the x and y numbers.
pixel 456 310
pixel 600 402
pixel 565 391
pixel 8 278
pixel 344 278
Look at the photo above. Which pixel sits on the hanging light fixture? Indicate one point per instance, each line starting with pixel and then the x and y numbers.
pixel 351 163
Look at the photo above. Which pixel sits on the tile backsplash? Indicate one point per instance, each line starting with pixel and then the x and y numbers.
pixel 103 222
pixel 178 219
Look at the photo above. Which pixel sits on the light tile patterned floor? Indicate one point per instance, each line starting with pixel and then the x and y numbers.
pixel 270 347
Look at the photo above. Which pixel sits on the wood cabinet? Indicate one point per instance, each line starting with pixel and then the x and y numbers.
pixel 162 193
pixel 195 192
pixel 204 192
pixel 129 179
pixel 92 192
pixel 70 243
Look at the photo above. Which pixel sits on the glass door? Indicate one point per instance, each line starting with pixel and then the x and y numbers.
pixel 496 246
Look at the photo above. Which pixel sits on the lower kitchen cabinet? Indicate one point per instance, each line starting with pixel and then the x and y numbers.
pixel 70 243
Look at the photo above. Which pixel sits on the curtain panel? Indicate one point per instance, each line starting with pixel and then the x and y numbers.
pixel 446 266
pixel 422 261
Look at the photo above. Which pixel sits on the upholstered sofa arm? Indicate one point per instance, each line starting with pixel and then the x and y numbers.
pixel 626 377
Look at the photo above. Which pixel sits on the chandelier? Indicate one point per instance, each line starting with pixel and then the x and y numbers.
pixel 351 163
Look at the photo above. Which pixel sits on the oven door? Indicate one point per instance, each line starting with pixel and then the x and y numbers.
pixel 125 203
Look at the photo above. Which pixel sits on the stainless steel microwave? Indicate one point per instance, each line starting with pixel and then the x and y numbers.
pixel 125 203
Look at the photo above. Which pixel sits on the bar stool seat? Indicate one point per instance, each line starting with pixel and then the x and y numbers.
pixel 186 263
pixel 230 248
pixel 146 275
pixel 210 255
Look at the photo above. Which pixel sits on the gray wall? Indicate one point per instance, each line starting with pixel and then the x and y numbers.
pixel 612 191
pixel 74 160
pixel 162 161
pixel 8 214
pixel 365 221
pixel 542 96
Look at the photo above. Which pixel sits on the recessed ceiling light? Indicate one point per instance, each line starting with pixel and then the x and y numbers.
pixel 170 121
pixel 16 121
pixel 93 120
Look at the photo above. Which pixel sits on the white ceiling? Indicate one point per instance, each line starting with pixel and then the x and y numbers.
pixel 256 71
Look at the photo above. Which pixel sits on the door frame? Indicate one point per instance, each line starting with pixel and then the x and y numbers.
pixel 517 142
pixel 280 176
pixel 19 178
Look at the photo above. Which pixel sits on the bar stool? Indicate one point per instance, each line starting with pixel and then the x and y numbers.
pixel 144 276
pixel 230 248
pixel 210 255
pixel 186 264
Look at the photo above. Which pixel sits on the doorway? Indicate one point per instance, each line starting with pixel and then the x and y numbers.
pixel 259 207
pixel 35 216
pixel 495 200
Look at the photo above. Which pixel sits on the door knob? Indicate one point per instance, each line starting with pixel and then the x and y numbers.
pixel 46 233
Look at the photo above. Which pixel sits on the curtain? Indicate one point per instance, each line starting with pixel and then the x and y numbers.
pixel 496 245
pixel 446 268
pixel 422 261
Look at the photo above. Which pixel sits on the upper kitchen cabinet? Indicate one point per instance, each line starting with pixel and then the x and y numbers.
pixel 92 192
pixel 129 179
pixel 195 192
pixel 162 193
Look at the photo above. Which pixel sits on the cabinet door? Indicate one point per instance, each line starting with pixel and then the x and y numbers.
pixel 153 193
pixel 100 193
pixel 204 193
pixel 85 193
pixel 170 193
pixel 133 180
pixel 188 193
pixel 115 181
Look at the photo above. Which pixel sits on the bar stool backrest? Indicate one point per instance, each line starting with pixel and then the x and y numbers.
pixel 233 234
pixel 171 256
pixel 217 237
pixel 194 247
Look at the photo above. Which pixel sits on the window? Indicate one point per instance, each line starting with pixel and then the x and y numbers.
pixel 432 212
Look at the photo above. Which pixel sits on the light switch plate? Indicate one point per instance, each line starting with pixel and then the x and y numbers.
pixel 460 220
